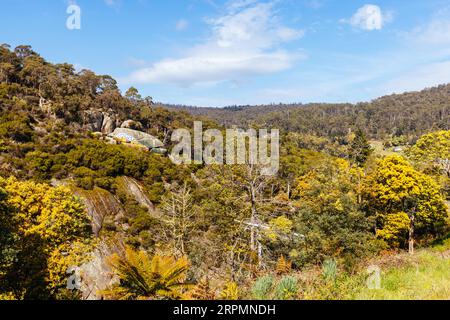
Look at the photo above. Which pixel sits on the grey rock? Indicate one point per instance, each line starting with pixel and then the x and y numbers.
pixel 135 189
pixel 131 124
pixel 108 123
pixel 93 120
pixel 100 205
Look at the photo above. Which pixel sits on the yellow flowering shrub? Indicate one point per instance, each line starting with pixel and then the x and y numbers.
pixel 396 193
pixel 51 232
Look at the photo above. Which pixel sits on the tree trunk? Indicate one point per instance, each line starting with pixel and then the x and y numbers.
pixel 411 235
pixel 259 254
pixel 252 233
pixel 253 220
pixel 182 247
pixel 289 190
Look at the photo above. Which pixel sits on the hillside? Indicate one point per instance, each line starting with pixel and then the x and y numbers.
pixel 409 114
pixel 85 214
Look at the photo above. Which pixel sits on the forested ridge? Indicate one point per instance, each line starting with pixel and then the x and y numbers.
pixel 408 114
pixel 85 216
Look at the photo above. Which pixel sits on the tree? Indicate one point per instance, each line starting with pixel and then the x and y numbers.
pixel 399 195
pixel 16 127
pixel 234 204
pixel 24 51
pixel 141 277
pixel 178 207
pixel 9 64
pixel 7 230
pixel 133 94
pixel 90 82
pixel 328 215
pixel 35 72
pixel 252 185
pixel 148 100
pixel 296 161
pixel 360 148
pixel 6 70
pixel 433 149
pixel 108 83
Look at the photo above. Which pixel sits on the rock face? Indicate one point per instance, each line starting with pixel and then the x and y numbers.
pixel 103 207
pixel 96 275
pixel 108 123
pixel 133 188
pixel 93 120
pixel 131 124
pixel 99 121
pixel 139 137
pixel 100 205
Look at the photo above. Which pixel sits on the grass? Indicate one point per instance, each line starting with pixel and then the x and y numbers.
pixel 428 279
pixel 423 276
pixel 379 149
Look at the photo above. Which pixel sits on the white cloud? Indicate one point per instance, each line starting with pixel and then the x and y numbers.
pixel 135 62
pixel 425 76
pixel 181 25
pixel 114 4
pixel 314 4
pixel 205 68
pixel 244 42
pixel 369 17
pixel 436 32
pixel 238 4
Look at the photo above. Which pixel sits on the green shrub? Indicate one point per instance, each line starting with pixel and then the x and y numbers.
pixel 287 288
pixel 329 270
pixel 263 287
pixel 16 127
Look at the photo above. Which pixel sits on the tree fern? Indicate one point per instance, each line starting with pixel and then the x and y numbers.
pixel 140 277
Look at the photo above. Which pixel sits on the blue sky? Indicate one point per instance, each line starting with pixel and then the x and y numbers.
pixel 218 53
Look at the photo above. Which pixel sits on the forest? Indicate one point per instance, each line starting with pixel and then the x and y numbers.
pixel 360 187
pixel 406 115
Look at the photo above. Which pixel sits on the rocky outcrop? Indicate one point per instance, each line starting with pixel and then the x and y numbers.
pixel 131 124
pixel 108 124
pixel 96 274
pixel 93 120
pixel 46 106
pixel 139 137
pixel 99 121
pixel 136 190
pixel 101 205
pixel 104 208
